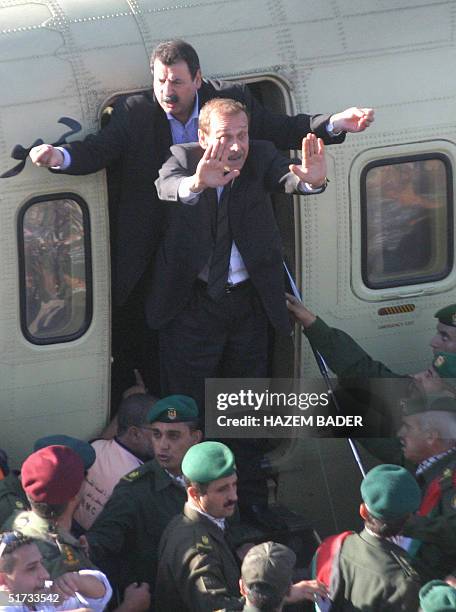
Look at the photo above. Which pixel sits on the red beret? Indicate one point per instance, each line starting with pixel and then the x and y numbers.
pixel 52 475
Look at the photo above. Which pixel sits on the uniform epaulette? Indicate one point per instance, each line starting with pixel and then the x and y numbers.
pixel 137 473
pixel 204 545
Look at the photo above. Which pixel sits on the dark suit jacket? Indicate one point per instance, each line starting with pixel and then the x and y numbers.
pixel 138 138
pixel 188 242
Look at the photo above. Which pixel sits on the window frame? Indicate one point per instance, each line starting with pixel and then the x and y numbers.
pixel 87 266
pixel 402 282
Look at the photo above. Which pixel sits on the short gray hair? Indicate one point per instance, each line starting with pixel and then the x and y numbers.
pixel 441 421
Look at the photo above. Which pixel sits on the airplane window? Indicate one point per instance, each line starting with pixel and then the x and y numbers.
pixel 407 234
pixel 55 277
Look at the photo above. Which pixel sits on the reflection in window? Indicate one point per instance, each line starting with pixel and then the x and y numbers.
pixel 54 270
pixel 406 222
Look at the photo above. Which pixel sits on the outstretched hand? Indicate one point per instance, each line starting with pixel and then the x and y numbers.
pixel 46 155
pixel 211 168
pixel 353 119
pixel 306 589
pixel 313 164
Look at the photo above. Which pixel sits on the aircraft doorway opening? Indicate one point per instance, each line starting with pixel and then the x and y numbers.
pixel 134 345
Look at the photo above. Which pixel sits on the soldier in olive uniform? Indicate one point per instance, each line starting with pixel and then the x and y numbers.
pixel 437 596
pixel 428 438
pixel 52 478
pixel 349 361
pixel 197 570
pixel 373 389
pixel 12 496
pixel 124 538
pixel 367 571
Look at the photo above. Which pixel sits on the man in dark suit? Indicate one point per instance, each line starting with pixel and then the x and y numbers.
pixel 215 323
pixel 137 138
pixel 218 276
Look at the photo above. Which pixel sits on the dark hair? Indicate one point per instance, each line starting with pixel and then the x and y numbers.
pixel 10 541
pixel 172 51
pixel 47 511
pixel 385 529
pixel 263 596
pixel 199 486
pixel 133 411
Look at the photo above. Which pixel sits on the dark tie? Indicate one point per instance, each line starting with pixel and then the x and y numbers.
pixel 220 261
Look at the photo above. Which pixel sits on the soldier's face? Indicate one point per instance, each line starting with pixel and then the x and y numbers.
pixel 430 381
pixel 445 339
pixel 170 442
pixel 221 497
pixel 175 89
pixel 414 439
pixel 28 574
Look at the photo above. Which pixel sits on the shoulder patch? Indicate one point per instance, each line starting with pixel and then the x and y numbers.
pixel 204 545
pixel 131 476
pixel 137 473
pixel 69 558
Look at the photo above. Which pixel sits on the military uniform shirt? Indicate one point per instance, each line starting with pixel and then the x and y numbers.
pixel 124 539
pixel 369 386
pixel 61 552
pixel 437 530
pixel 12 497
pixel 197 571
pixel 375 576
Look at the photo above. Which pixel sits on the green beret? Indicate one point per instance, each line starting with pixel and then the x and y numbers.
pixel 83 449
pixel 173 409
pixel 437 596
pixel 208 461
pixel 434 402
pixel 445 364
pixel 390 492
pixel 447 315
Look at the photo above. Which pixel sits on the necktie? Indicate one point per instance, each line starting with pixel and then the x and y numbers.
pixel 220 261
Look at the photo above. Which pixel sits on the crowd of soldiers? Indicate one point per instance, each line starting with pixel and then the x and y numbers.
pixel 164 536
pixel 147 518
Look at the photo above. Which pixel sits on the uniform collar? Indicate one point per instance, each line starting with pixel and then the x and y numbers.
pixel 162 478
pixel 219 522
pixel 374 540
pixel 430 462
pixel 179 480
pixel 196 517
pixel 34 525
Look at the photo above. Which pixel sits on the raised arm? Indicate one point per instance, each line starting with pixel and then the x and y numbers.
pixel 313 164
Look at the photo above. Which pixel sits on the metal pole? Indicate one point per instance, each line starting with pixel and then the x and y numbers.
pixel 324 371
